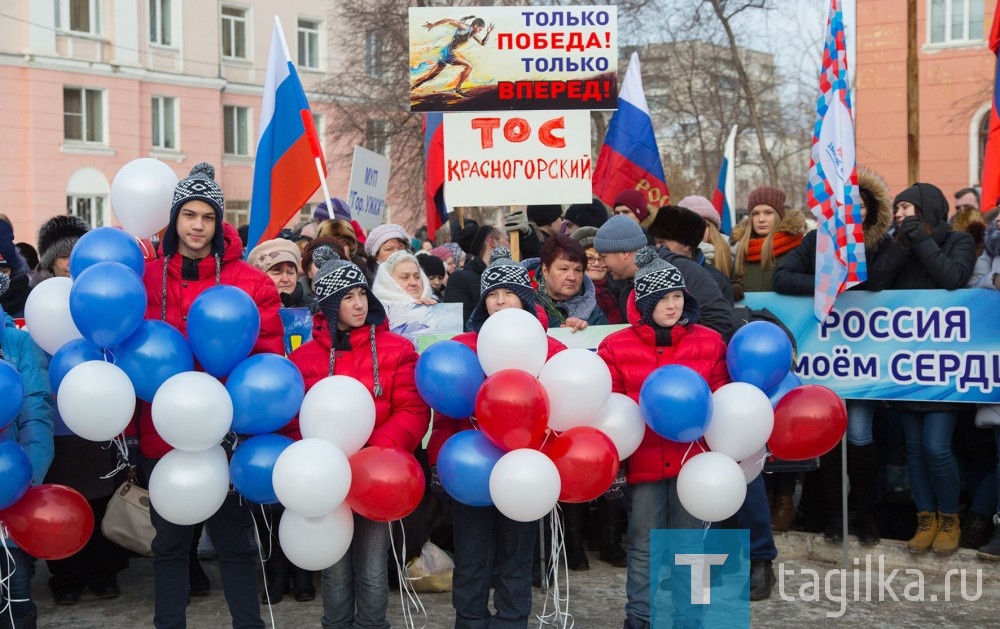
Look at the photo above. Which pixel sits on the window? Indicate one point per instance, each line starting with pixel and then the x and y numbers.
pixel 320 131
pixel 164 122
pixel 234 33
pixel 373 54
pixel 160 17
pixel 237 213
pixel 90 209
pixel 83 114
pixel 87 196
pixel 79 16
pixel 376 137
pixel 955 21
pixel 235 122
pixel 308 44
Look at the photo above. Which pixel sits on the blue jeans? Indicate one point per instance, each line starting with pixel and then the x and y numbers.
pixel 486 541
pixel 356 588
pixel 930 462
pixel 20 572
pixel 755 514
pixel 653 506
pixel 230 528
pixel 860 415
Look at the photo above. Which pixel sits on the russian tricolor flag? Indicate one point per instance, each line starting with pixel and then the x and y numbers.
pixel 289 162
pixel 725 187
pixel 630 157
pixel 437 211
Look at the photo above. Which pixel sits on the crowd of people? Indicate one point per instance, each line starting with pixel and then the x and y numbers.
pixel 669 274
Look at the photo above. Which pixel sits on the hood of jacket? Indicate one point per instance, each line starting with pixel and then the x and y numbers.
pixel 879 217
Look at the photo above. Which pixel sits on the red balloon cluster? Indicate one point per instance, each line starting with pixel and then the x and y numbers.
pixel 512 409
pixel 386 483
pixel 49 521
pixel 809 421
pixel 587 461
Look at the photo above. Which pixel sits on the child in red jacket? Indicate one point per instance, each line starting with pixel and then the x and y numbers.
pixel 664 331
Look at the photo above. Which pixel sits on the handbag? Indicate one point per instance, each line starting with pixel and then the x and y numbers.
pixel 988 416
pixel 126 521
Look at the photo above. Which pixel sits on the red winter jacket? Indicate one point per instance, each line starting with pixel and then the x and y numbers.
pixel 631 355
pixel 182 293
pixel 445 426
pixel 401 416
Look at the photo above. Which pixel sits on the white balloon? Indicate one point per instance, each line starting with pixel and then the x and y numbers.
pixel 753 465
pixel 316 542
pixel 338 409
pixel 711 486
pixel 192 411
pixel 525 485
pixel 622 422
pixel 578 383
pixel 141 195
pixel 742 420
pixel 189 487
pixel 311 476
pixel 96 400
pixel 47 316
pixel 512 339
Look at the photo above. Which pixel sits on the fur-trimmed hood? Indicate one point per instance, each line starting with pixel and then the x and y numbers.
pixel 879 218
pixel 794 223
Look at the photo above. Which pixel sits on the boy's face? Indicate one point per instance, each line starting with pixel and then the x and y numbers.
pixel 196 227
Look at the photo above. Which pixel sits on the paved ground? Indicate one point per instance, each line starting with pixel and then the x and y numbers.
pixel 597 597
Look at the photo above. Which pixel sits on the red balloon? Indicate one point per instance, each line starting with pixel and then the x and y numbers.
pixel 809 421
pixel 587 460
pixel 512 409
pixel 386 483
pixel 49 521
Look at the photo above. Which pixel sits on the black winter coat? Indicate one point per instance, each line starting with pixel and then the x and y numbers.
pixel 463 286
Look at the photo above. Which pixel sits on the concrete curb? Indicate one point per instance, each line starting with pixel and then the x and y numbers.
pixel 812 547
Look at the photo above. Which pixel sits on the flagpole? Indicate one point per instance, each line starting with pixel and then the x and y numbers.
pixel 729 191
pixel 322 182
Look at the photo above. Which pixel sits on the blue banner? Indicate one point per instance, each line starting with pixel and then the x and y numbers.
pixel 933 345
pixel 298 324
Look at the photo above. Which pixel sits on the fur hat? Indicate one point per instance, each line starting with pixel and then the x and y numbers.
pixel 503 272
pixel 592 214
pixel 633 200
pixel 333 280
pixel 766 195
pixel 543 215
pixel 383 234
pixel 584 236
pixel 56 238
pixel 654 278
pixel 271 252
pixel 680 224
pixel 702 207
pixel 199 185
pixel 619 233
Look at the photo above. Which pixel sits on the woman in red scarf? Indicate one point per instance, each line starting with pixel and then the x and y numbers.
pixel 762 239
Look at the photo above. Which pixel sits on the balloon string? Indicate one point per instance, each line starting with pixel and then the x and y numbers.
pixel 119 443
pixel 107 352
pixel 409 600
pixel 557 563
pixel 260 553
pixel 687 452
pixel 8 607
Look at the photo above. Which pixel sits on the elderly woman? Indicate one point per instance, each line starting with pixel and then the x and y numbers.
pixel 383 241
pixel 400 280
pixel 280 259
pixel 562 286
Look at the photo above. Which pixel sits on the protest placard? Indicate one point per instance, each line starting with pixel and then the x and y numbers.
pixel 368 188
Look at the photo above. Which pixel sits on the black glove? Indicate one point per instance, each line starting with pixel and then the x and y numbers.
pixel 911 231
pixel 132 448
pixel 517 221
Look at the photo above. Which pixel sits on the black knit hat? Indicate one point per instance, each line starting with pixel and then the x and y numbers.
pixel 654 278
pixel 199 185
pixel 681 224
pixel 543 215
pixel 472 237
pixel 56 238
pixel 503 272
pixel 593 214
pixel 9 257
pixel 432 265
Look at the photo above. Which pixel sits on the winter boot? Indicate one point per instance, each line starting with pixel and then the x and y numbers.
pixel 862 465
pixel 761 580
pixel 302 584
pixel 991 551
pixel 576 556
pixel 946 541
pixel 611 550
pixel 833 495
pixel 276 569
pixel 783 514
pixel 976 530
pixel 927 529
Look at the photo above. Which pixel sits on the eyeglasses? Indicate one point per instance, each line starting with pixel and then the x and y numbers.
pixel 595 261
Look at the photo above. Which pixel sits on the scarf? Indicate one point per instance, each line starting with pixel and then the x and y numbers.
pixel 782 242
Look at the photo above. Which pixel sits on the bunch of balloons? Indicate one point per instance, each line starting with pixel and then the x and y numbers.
pixel 549 429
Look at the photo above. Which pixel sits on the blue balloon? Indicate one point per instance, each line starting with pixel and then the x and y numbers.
pixel 448 378
pixel 107 302
pixel 15 472
pixel 252 464
pixel 106 244
pixel 267 392
pixel 464 465
pixel 154 353
pixel 789 382
pixel 676 403
pixel 760 353
pixel 222 327
pixel 12 395
pixel 70 355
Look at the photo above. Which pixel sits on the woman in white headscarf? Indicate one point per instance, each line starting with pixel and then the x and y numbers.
pixel 400 280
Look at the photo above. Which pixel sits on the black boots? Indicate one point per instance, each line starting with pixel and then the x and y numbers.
pixel 302 584
pixel 278 576
pixel 574 517
pixel 610 549
pixel 862 469
pixel 761 580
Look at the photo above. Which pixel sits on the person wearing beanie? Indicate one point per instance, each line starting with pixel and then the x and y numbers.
pixel 762 239
pixel 680 230
pixel 56 238
pixel 664 330
pixel 201 251
pixel 597 271
pixel 436 273
pixel 631 203
pixel 281 260
pixel 400 280
pixel 340 210
pixel 351 338
pixel 548 218
pixel 14 267
pixel 458 255
pixel 593 214
pixel 385 240
pixel 488 543
pixel 478 242
pixel 618 240
pixel 447 256
pixel 926 254
pixel 714 244
pixel 32 429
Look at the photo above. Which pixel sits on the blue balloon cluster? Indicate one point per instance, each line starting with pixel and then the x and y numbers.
pixel 464 465
pixel 15 472
pixel 760 353
pixel 267 392
pixel 156 352
pixel 676 403
pixel 448 378
pixel 222 327
pixel 106 244
pixel 107 302
pixel 252 465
